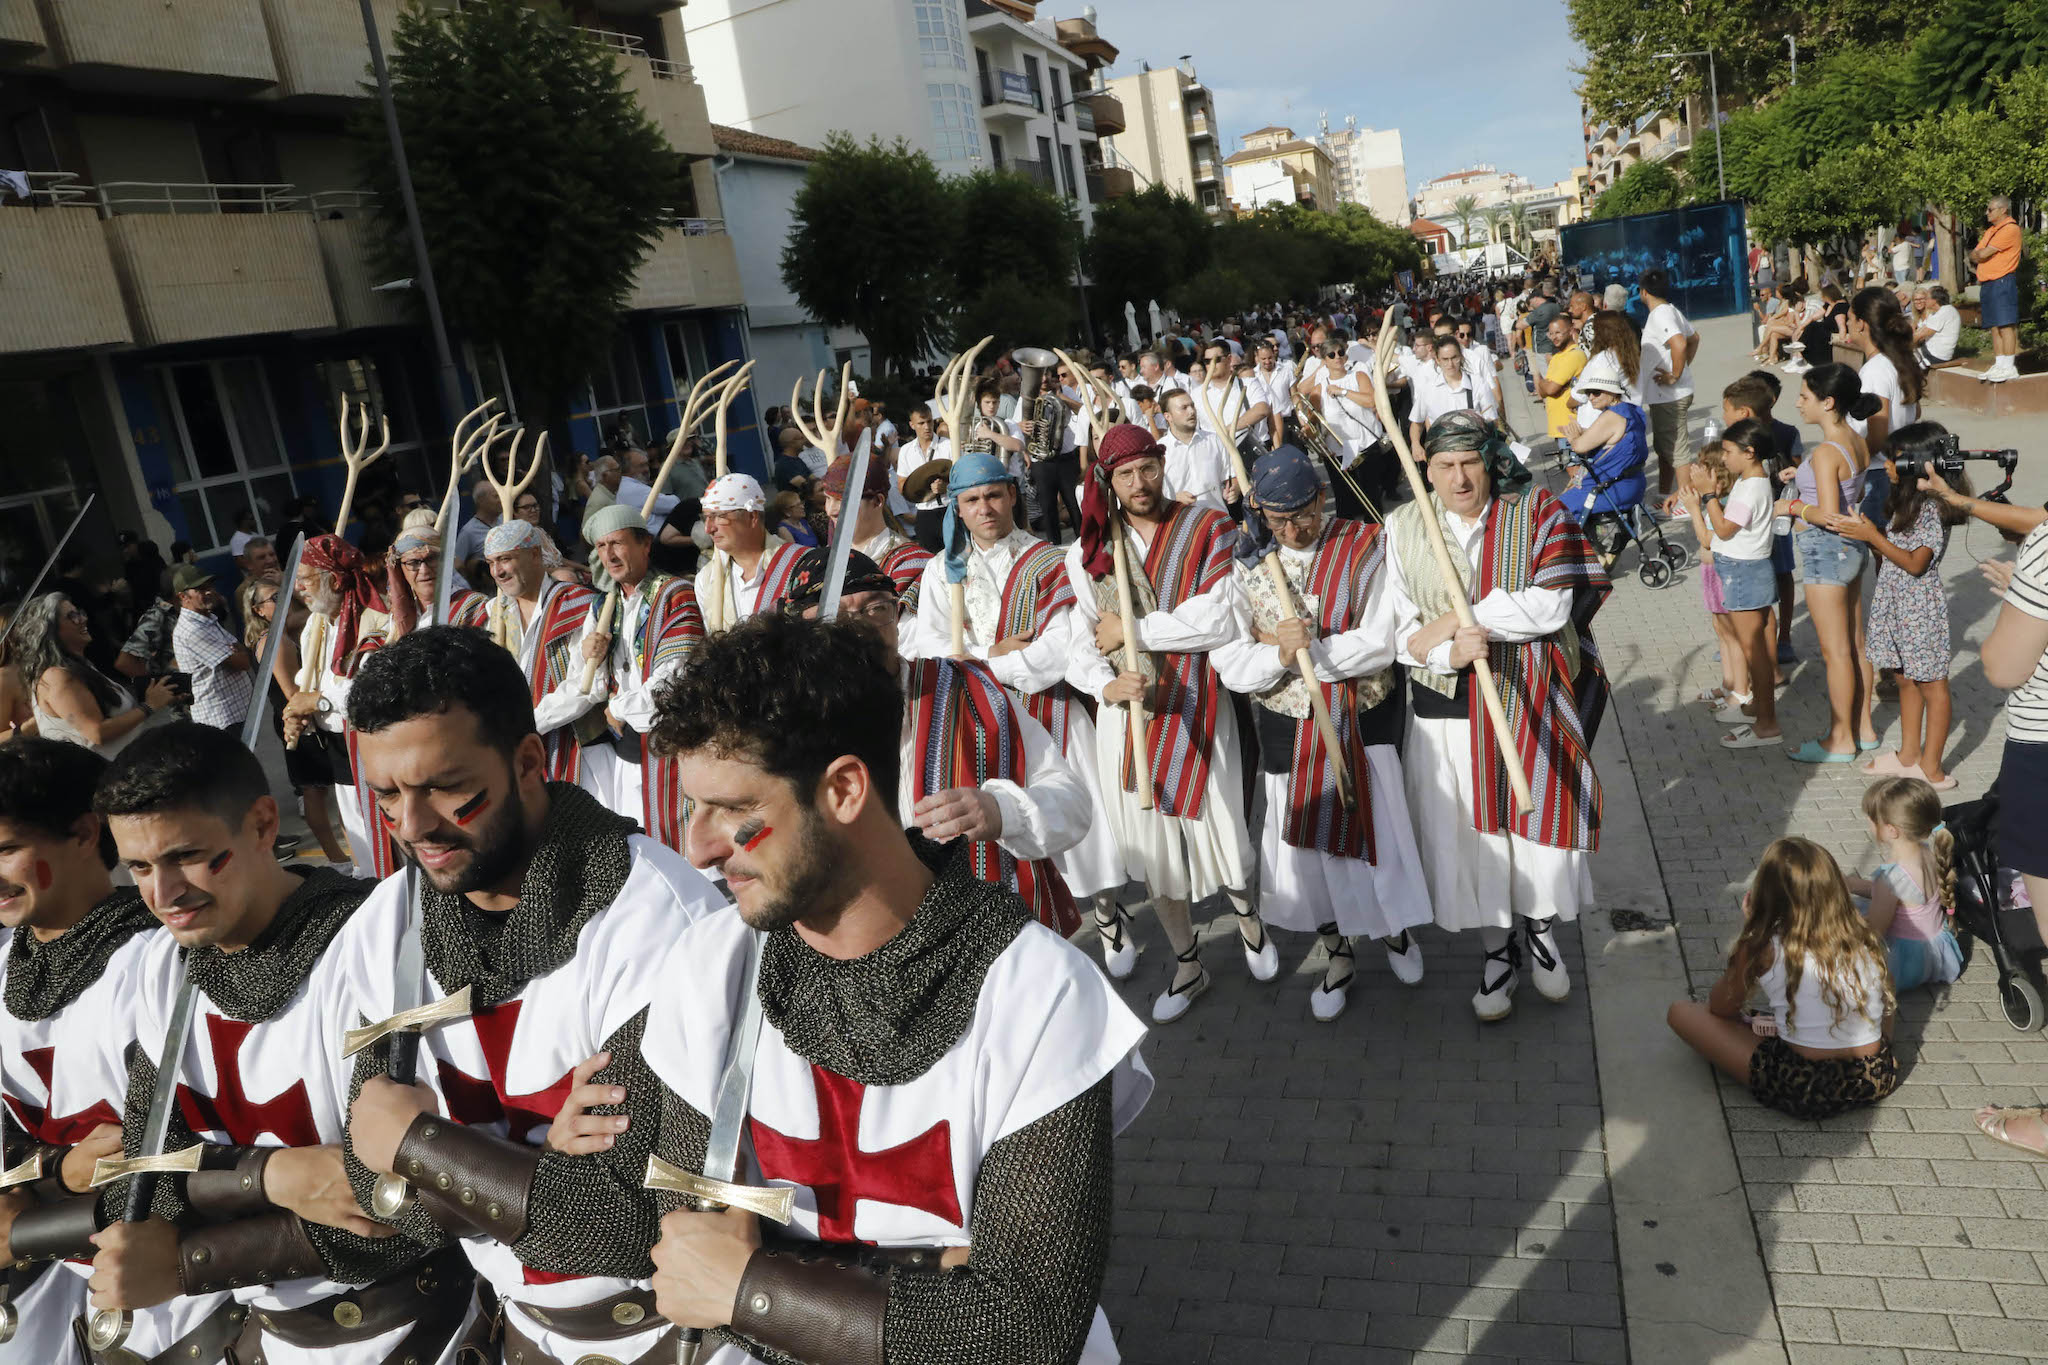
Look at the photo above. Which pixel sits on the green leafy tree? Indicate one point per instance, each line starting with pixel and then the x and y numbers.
pixel 1840 104
pixel 1971 45
pixel 1832 203
pixel 541 184
pixel 1146 244
pixel 872 244
pixel 1645 187
pixel 1016 313
pixel 1010 225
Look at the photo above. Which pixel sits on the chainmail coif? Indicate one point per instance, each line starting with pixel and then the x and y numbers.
pixel 886 1018
pixel 43 978
pixel 579 863
pixel 254 984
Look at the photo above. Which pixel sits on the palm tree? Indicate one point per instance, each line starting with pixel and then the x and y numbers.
pixel 1465 208
pixel 1518 220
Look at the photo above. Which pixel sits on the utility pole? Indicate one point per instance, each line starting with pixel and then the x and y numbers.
pixel 1792 42
pixel 451 387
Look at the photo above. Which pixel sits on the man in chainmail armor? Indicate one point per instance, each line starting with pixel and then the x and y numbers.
pixel 268 1217
pixel 73 941
pixel 551 912
pixel 940 1077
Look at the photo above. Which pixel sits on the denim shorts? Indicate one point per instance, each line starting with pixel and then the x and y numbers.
pixel 1827 560
pixel 1746 584
pixel 1999 301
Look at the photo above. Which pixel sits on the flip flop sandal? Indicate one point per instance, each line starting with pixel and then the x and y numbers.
pixel 1886 765
pixel 1746 737
pixel 1812 752
pixel 1864 746
pixel 1992 1119
pixel 1732 713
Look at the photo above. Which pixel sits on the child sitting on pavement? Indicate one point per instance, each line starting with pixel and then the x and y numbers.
pixel 1913 893
pixel 1825 1047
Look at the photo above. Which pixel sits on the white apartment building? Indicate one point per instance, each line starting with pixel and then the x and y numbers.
pixel 1368 168
pixel 1171 137
pixel 972 83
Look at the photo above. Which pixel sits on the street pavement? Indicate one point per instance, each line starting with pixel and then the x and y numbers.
pixel 1406 1184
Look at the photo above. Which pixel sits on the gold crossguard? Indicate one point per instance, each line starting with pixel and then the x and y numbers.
pixel 418 1019
pixel 778 1203
pixel 31 1169
pixel 169 1163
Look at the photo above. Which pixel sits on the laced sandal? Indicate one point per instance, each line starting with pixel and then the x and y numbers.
pixel 1546 967
pixel 1992 1120
pixel 1262 961
pixel 1496 997
pixel 1174 1003
pixel 1328 999
pixel 1119 951
pixel 1404 958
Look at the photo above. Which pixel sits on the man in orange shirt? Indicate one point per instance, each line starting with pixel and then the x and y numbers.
pixel 1998 262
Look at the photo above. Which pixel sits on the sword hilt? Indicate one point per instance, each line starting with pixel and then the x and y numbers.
pixel 689 1345
pixel 10 1321
pixel 110 1328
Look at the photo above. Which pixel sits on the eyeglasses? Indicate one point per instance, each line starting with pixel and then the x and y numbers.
pixel 417 564
pixel 1309 516
pixel 882 609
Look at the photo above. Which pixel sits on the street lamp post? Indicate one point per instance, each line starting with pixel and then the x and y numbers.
pixel 451 388
pixel 1713 113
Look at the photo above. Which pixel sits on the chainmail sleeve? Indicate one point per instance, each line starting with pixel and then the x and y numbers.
pixel 169 1203
pixel 414 1225
pixel 588 1215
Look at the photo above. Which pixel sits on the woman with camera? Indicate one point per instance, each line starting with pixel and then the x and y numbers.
pixel 72 700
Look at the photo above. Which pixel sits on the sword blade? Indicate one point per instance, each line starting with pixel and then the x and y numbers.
pixel 842 533
pixel 156 1126
pixel 273 641
pixel 48 565
pixel 736 1083
pixel 444 582
pixel 407 988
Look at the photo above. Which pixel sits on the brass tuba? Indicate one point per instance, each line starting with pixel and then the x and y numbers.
pixel 1043 416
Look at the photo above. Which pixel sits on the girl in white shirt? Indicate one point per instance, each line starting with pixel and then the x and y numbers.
pixel 1736 508
pixel 1825 1046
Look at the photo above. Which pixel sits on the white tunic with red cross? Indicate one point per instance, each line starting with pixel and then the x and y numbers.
pixel 62 1077
pixel 506 1069
pixel 895 1166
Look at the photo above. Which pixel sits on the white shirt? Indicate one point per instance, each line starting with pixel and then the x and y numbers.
pixel 1508 616
pixel 1200 466
pixel 1231 401
pixel 2026 706
pixel 1078 432
pixel 633 493
pixel 1664 323
pixel 1434 396
pixel 1358 353
pixel 239 542
pixel 1356 424
pixel 1279 384
pixel 1880 377
pixel 911 455
pixel 1902 254
pixel 1168 383
pixel 1948 326
pixel 1196 626
pixel 1748 505
pixel 1248 666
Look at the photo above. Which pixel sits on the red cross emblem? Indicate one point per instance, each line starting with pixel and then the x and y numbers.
pixel 917 1174
pixel 62 1130
pixel 288 1116
pixel 474 1100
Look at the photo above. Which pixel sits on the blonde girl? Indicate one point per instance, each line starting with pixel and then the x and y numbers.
pixel 1826 1047
pixel 1913 893
pixel 1706 478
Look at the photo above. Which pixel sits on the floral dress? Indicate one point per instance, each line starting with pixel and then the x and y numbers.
pixel 1908 626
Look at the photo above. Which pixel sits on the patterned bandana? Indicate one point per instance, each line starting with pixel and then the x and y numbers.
pixel 976 469
pixel 359 591
pixel 876 485
pixel 735 493
pixel 510 535
pixel 807 580
pixel 1120 445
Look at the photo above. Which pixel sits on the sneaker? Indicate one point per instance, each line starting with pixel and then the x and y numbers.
pixel 1263 962
pixel 1175 1001
pixel 1119 951
pixel 1546 966
pixel 1497 981
pixel 1404 958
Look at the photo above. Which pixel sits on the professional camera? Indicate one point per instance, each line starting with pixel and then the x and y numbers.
pixel 1949 463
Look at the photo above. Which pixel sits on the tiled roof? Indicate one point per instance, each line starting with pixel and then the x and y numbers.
pixel 740 142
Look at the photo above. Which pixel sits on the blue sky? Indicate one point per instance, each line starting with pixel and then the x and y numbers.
pixel 1478 81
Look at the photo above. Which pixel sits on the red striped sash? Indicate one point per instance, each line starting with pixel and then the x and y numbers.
pixel 905 564
pixel 1037 590
pixel 671 629
pixel 966 734
pixel 1189 555
pixel 777 563
pixel 1339 578
pixel 557 658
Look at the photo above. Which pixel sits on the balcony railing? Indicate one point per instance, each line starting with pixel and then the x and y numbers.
pixel 1001 87
pixel 694 227
pixel 1035 170
pixel 48 189
pixel 341 203
pixel 1084 117
pixel 1205 170
pixel 117 197
pixel 1198 126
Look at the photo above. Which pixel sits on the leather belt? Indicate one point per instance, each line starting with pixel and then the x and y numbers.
pixel 205 1344
pixel 521 1349
pixel 624 1314
pixel 428 1297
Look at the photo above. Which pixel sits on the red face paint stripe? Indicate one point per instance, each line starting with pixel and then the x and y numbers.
pixel 226 856
pixel 43 875
pixel 470 809
pixel 755 842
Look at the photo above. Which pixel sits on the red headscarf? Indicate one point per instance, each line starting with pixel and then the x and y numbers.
pixel 1120 445
pixel 359 591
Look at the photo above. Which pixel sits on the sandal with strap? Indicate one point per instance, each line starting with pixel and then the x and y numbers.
pixel 1992 1119
pixel 1496 997
pixel 1119 953
pixel 1174 1003
pixel 1328 1000
pixel 1263 961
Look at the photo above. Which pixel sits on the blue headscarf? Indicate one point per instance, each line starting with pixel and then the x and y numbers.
pixel 1282 480
pixel 973 470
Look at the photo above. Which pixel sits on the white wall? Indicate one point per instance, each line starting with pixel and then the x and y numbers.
pixel 788 345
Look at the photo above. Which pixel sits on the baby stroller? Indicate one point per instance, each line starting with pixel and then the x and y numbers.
pixel 1613 520
pixel 1985 910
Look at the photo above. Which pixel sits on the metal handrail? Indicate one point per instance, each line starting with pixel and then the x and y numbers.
pixel 50 188
pixel 694 227
pixel 667 70
pixel 617 42
pixel 341 201
pixel 146 196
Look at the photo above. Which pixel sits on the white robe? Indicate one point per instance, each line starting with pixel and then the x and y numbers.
pixel 1305 888
pixel 82 1048
pixel 564 1016
pixel 619 785
pixel 1479 880
pixel 1046 1027
pixel 1094 863
pixel 1178 859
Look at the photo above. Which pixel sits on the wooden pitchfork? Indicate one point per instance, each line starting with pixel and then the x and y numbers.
pixel 357 455
pixel 693 413
pixel 711 578
pixel 955 394
pixel 464 447
pixel 1454 577
pixel 508 490
pixel 1137 734
pixel 1303 662
pixel 825 438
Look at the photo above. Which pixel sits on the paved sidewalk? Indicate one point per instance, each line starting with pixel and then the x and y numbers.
pixel 1403 1185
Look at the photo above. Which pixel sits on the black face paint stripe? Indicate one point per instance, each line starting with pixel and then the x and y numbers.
pixel 472 808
